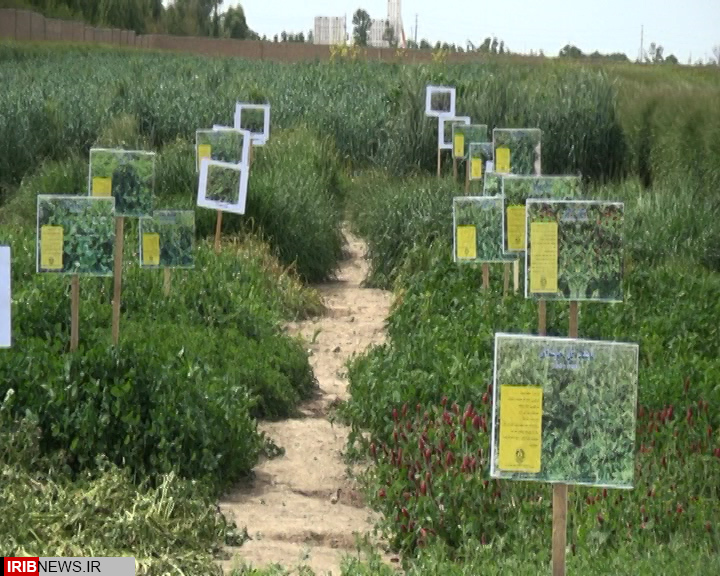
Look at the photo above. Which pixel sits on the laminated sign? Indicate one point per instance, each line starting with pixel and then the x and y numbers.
pixel 520 428
pixel 101 186
pixel 51 247
pixel 459 145
pixel 544 254
pixel 516 227
pixel 564 410
pixel 466 242
pixel 204 151
pixel 502 160
pixel 151 249
pixel 476 168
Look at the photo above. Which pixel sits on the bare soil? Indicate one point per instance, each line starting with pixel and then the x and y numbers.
pixel 291 507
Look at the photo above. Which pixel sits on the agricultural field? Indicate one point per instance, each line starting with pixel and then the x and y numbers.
pixel 136 442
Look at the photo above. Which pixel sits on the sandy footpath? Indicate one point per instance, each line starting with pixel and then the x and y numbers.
pixel 291 509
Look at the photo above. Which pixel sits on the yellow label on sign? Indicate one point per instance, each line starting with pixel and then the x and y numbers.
pixel 466 242
pixel 543 257
pixel 51 247
pixel 520 428
pixel 102 186
pixel 502 160
pixel 459 145
pixel 476 168
pixel 516 227
pixel 204 151
pixel 151 249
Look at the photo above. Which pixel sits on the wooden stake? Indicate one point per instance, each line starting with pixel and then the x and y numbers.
pixel 506 279
pixel 542 317
pixel 486 275
pixel 467 176
pixel 516 275
pixel 573 328
pixel 560 491
pixel 166 281
pixel 218 230
pixel 438 162
pixel 455 167
pixel 74 312
pixel 559 530
pixel 117 277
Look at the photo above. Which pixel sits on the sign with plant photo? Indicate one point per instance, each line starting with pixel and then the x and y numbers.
pixel 564 410
pixel 255 118
pixel 492 186
pixel 517 151
pixel 126 175
pixel 75 235
pixel 445 130
pixel 222 144
pixel 465 134
pixel 167 240
pixel 517 189
pixel 222 186
pixel 439 101
pixel 574 250
pixel 479 153
pixel 477 229
pixel 5 298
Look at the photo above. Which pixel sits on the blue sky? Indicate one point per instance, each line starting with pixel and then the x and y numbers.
pixel 682 28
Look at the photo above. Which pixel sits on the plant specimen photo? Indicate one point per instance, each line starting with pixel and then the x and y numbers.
pixel 517 151
pixel 576 246
pixel 517 189
pixel 255 118
pixel 126 175
pixel 439 101
pixel 477 229
pixel 492 184
pixel 167 240
pixel 465 134
pixel 222 144
pixel 75 235
pixel 564 410
pixel 222 186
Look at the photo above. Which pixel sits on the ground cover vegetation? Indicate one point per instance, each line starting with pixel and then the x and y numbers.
pixel 176 401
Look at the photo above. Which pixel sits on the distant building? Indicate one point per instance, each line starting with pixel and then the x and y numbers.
pixel 376 33
pixel 330 30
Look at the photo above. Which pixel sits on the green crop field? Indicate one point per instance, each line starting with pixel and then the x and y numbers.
pixel 135 442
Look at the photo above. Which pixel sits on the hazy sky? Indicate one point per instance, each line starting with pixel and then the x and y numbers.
pixel 682 28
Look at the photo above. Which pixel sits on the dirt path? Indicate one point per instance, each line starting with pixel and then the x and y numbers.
pixel 289 509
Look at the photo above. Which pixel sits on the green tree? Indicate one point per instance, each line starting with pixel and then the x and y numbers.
pixel 127 14
pixel 361 27
pixel 570 51
pixel 389 35
pixel 425 45
pixel 672 59
pixel 234 24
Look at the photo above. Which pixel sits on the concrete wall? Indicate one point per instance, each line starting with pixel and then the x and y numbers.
pixel 22 25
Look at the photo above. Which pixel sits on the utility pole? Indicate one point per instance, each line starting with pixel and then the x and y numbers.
pixel 416 19
pixel 642 52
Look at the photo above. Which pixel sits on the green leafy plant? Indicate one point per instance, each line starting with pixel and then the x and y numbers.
pixel 492 184
pixel 132 175
pixel 590 248
pixel 176 229
pixel 589 401
pixel 88 226
pixel 253 120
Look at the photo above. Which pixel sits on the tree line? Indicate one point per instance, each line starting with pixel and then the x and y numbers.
pixel 178 17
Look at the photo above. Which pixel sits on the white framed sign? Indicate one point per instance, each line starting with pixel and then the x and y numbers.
pixel 255 118
pixel 445 123
pixel 5 299
pixel 439 101
pixel 222 186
